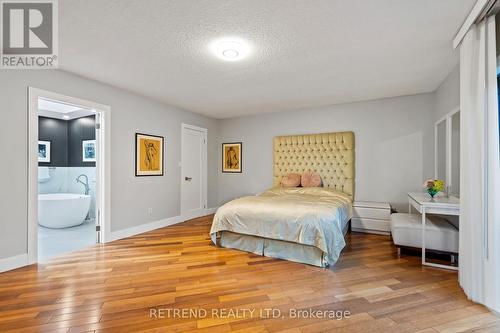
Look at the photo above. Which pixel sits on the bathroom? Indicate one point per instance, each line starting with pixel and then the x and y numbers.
pixel 66 179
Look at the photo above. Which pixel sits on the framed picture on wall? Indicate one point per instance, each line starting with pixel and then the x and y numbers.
pixel 44 151
pixel 148 155
pixel 231 157
pixel 88 151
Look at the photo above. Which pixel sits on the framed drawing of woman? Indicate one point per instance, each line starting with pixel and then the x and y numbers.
pixel 231 157
pixel 148 155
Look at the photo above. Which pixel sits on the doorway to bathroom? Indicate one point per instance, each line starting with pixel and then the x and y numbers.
pixel 67 175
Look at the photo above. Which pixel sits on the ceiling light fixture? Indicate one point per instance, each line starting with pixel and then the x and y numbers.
pixel 66 117
pixel 230 53
pixel 230 49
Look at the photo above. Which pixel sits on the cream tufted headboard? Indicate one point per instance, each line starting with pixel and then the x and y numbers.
pixel 329 154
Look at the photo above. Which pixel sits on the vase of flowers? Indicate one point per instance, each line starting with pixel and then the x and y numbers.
pixel 434 186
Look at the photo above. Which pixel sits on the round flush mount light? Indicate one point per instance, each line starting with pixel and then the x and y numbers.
pixel 66 117
pixel 230 49
pixel 230 53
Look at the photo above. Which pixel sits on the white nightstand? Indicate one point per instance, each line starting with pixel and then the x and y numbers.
pixel 371 217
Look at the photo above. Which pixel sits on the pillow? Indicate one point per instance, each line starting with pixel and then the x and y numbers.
pixel 291 180
pixel 310 179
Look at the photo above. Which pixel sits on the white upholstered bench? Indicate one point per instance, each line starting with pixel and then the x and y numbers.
pixel 440 235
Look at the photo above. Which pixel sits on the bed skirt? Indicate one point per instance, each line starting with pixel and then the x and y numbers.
pixel 274 248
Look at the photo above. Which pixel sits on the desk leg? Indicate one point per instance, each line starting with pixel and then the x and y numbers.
pixel 423 236
pixel 424 263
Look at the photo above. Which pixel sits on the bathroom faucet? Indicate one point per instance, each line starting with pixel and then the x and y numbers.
pixel 85 183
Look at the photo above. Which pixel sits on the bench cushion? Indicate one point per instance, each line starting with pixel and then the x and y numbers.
pixel 441 235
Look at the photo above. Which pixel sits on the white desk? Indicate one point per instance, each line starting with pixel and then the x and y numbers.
pixel 424 204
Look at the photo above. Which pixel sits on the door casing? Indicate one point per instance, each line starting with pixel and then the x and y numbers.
pixel 103 167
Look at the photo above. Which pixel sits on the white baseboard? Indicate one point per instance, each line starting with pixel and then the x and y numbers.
pixel 120 234
pixel 212 210
pixel 7 264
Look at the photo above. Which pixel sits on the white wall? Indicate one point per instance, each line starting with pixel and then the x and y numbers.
pixel 447 96
pixel 131 196
pixel 394 145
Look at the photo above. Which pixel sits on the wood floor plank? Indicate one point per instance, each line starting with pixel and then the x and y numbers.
pixel 124 285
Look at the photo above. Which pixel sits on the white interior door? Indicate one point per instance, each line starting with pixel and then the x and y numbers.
pixel 194 171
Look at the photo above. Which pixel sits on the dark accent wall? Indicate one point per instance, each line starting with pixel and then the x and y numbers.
pixel 78 130
pixel 66 140
pixel 55 131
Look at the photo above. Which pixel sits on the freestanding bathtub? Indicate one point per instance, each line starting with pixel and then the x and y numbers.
pixel 62 210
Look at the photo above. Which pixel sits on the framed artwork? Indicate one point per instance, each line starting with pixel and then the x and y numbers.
pixel 44 151
pixel 88 151
pixel 148 155
pixel 231 157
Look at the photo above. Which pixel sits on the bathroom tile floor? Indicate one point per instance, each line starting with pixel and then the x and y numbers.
pixel 56 242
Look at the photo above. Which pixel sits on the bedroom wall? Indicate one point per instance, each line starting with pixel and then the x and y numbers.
pixel 394 145
pixel 131 196
pixel 447 96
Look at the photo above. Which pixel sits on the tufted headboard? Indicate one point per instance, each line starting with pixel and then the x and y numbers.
pixel 329 154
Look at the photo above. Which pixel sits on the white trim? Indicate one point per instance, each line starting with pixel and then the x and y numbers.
pixel 9 263
pixel 197 213
pixel 196 128
pixel 480 9
pixel 120 234
pixel 103 169
pixel 212 210
pixel 204 171
pixel 449 114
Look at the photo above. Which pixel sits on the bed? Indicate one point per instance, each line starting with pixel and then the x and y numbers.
pixel 299 224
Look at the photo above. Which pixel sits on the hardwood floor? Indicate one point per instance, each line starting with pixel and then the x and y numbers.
pixel 125 285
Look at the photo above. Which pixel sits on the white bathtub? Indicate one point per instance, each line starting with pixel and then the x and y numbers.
pixel 62 210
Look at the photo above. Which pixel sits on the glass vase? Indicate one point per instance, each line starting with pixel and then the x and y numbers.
pixel 432 192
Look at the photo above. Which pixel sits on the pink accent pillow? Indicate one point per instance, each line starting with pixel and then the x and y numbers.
pixel 310 179
pixel 291 180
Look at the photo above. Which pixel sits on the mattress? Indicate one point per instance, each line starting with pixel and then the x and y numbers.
pixel 298 224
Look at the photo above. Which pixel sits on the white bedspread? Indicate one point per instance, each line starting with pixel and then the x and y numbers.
pixel 309 216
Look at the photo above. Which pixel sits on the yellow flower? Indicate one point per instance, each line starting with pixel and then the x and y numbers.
pixel 439 185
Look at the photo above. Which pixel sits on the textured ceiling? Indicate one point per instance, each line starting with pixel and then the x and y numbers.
pixel 305 53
